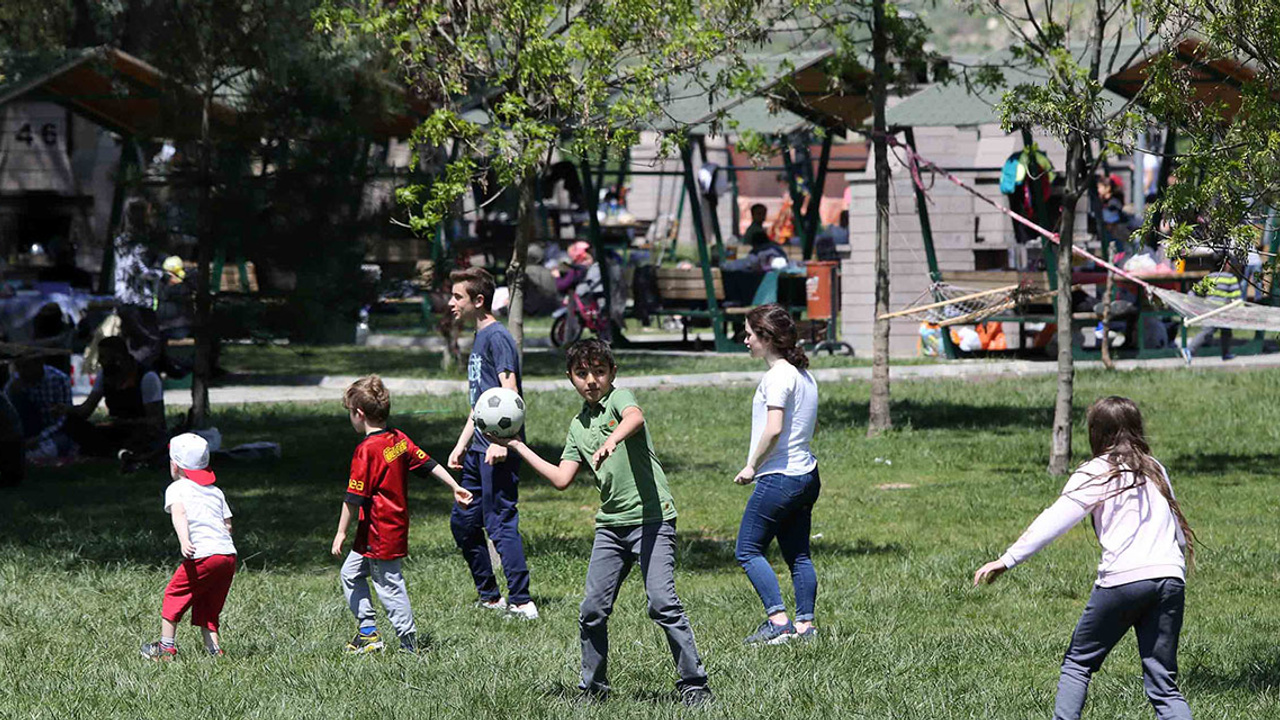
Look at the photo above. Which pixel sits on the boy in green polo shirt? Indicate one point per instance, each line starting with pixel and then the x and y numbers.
pixel 636 521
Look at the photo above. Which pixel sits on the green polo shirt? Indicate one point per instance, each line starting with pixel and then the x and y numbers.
pixel 633 487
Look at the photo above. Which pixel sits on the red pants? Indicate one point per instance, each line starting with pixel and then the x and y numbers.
pixel 201 585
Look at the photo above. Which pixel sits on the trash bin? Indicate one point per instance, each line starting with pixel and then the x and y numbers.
pixel 820 289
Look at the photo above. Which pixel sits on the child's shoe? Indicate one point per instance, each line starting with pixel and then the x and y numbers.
pixel 527 611
pixel 362 643
pixel 157 652
pixel 696 696
pixel 500 604
pixel 770 634
pixel 409 643
pixel 215 652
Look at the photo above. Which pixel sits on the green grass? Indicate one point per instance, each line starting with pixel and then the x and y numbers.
pixel 403 362
pixel 85 554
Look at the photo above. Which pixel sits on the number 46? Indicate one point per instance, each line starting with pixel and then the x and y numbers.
pixel 48 134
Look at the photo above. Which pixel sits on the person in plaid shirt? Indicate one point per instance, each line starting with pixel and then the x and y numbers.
pixel 41 394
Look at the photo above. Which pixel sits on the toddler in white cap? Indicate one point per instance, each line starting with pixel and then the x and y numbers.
pixel 202 521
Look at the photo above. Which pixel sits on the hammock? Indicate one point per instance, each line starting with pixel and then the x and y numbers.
pixel 955 305
pixel 1194 309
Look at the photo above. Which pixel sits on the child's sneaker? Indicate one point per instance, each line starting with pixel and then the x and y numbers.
pixel 157 652
pixel 500 604
pixel 362 643
pixel 409 643
pixel 770 634
pixel 807 635
pixel 215 652
pixel 527 611
pixel 696 696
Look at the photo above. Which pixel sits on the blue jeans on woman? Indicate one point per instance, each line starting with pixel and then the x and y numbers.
pixel 780 506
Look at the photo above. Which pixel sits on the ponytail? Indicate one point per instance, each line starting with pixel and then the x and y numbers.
pixel 773 324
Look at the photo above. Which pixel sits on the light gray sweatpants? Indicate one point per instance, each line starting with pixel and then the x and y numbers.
pixel 1153 608
pixel 389 581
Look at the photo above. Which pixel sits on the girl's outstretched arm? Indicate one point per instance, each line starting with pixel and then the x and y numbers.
pixel 1051 524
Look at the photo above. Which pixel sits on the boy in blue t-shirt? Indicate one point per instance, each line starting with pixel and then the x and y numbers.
pixel 486 469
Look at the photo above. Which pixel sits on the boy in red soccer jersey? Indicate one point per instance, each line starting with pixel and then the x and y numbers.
pixel 377 493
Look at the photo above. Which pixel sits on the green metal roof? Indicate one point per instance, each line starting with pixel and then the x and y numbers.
pixel 957 104
pixel 691 105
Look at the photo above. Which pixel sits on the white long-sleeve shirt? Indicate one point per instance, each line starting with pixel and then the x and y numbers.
pixel 1138 531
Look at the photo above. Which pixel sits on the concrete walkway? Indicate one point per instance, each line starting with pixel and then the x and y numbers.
pixel 330 387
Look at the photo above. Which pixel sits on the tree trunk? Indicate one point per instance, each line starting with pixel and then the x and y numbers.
pixel 526 231
pixel 204 332
pixel 879 419
pixel 1060 452
pixel 1107 360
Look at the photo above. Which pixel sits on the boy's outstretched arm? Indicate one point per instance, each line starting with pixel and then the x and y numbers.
pixel 460 494
pixel 464 441
pixel 632 420
pixel 344 521
pixel 560 476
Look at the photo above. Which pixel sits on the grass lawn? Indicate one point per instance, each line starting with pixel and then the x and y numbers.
pixel 411 363
pixel 86 554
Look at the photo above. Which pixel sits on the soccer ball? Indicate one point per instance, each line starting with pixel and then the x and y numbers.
pixel 499 412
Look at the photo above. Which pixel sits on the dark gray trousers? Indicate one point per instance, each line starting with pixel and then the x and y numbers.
pixel 1153 608
pixel 614 552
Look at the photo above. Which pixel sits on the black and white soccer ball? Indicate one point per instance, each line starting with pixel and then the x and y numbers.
pixel 499 412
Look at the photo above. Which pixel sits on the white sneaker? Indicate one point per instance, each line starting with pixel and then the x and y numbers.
pixel 527 611
pixel 500 604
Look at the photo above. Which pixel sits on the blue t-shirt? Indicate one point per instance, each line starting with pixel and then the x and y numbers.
pixel 494 352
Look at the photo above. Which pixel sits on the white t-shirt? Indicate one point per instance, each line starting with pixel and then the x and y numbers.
pixel 206 508
pixel 797 394
pixel 1138 532
pixel 150 385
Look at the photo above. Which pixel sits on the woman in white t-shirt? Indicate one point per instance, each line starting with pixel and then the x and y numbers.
pixel 1146 545
pixel 784 412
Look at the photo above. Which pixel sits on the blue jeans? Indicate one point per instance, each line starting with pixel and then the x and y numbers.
pixel 493 511
pixel 780 506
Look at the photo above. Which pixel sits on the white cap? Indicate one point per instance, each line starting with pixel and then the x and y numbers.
pixel 191 453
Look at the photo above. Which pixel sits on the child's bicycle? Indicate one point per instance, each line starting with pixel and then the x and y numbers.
pixel 569 321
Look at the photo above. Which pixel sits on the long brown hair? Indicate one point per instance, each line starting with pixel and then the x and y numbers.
pixel 773 324
pixel 1115 432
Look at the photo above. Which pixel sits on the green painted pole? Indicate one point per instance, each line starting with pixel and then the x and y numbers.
pixel 949 349
pixel 793 188
pixel 815 198
pixel 699 232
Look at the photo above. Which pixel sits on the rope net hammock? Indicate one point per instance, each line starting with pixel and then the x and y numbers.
pixel 954 305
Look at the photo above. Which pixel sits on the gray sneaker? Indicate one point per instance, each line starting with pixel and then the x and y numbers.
pixel 696 696
pixel 771 634
pixel 807 635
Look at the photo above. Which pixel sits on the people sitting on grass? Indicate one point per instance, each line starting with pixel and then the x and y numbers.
pixel 1146 547
pixel 135 428
pixel 41 395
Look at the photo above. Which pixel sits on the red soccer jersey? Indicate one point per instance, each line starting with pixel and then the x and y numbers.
pixel 379 485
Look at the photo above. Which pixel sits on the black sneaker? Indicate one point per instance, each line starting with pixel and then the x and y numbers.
pixel 696 696
pixel 409 643
pixel 215 652
pixel 157 652
pixel 591 696
pixel 362 643
pixel 770 634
